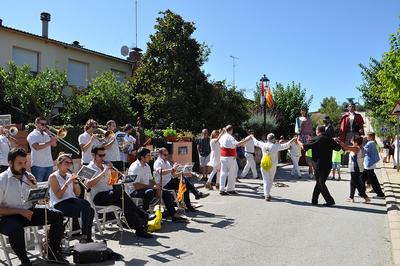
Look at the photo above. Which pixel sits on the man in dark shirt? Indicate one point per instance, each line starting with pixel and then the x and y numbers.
pixel 329 130
pixel 204 150
pixel 322 147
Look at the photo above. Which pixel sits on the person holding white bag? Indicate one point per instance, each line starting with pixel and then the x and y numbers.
pixel 271 149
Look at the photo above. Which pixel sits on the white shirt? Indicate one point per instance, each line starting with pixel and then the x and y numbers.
pixel 84 139
pixel 102 185
pixel 295 150
pixel 43 157
pixel 69 193
pixel 161 164
pixel 112 153
pixel 13 192
pixel 127 142
pixel 215 155
pixel 4 149
pixel 359 161
pixel 143 174
pixel 272 149
pixel 227 141
pixel 249 146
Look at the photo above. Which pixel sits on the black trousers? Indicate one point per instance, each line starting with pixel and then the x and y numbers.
pixel 321 174
pixel 147 194
pixel 136 217
pixel 76 207
pixel 355 182
pixel 370 176
pixel 174 184
pixel 13 227
pixel 169 202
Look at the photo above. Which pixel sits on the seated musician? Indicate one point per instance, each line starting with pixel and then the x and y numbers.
pixel 16 213
pixel 145 187
pixel 64 192
pixel 170 181
pixel 104 194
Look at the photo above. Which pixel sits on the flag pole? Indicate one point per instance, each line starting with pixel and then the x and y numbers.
pixel 264 102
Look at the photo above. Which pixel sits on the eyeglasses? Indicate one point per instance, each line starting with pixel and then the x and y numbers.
pixel 101 155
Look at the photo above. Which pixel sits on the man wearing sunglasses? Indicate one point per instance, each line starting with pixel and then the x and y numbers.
pixel 104 194
pixel 40 143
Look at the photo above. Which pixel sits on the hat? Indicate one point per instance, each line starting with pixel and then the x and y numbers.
pixel 326 118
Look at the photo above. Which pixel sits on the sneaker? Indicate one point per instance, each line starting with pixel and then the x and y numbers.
pixel 233 192
pixel 202 195
pixel 224 193
pixel 367 200
pixel 143 234
pixel 268 198
pixel 350 200
pixel 339 178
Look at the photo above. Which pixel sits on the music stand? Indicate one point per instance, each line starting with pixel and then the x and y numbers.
pixel 86 172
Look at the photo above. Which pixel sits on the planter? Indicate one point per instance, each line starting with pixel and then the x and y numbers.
pixel 171 138
pixel 187 139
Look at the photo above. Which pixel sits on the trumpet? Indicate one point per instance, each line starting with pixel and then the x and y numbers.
pixel 102 134
pixel 60 134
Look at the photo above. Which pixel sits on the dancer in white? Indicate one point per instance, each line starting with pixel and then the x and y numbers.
pixel 215 158
pixel 295 154
pixel 228 160
pixel 249 153
pixel 272 149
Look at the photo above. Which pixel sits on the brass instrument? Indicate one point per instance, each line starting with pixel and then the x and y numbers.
pixel 102 134
pixel 60 134
pixel 81 181
pixel 11 133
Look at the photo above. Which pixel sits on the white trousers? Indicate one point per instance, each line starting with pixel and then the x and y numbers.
pixel 250 164
pixel 229 170
pixel 296 168
pixel 216 170
pixel 268 179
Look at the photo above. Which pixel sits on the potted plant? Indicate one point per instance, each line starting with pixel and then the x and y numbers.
pixel 148 135
pixel 170 134
pixel 186 136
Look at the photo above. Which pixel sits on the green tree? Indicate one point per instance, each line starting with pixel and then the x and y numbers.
pixel 32 95
pixel 105 98
pixel 287 104
pixel 330 107
pixel 169 84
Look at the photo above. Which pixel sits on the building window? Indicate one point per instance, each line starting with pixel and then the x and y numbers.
pixel 26 57
pixel 77 74
pixel 119 75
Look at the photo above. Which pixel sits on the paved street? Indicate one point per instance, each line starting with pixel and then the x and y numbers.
pixel 246 230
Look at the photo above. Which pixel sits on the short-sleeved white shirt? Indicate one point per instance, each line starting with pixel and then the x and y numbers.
pixel 143 174
pixel 43 157
pixel 84 139
pixel 112 153
pixel 163 165
pixel 249 146
pixel 4 149
pixel 13 192
pixel 69 193
pixel 102 185
pixel 228 141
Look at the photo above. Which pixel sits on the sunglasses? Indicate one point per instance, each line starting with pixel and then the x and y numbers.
pixel 101 155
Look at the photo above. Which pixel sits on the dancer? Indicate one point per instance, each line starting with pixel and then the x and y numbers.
pixel 272 148
pixel 249 153
pixel 295 153
pixel 215 158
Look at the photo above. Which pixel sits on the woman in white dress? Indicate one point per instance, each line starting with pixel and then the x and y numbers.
pixel 215 161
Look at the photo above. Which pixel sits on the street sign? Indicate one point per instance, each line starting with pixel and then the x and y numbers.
pixel 396 109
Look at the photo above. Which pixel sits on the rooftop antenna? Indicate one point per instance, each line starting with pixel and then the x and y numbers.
pixel 233 65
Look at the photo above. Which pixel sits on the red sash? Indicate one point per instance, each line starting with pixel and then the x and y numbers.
pixel 226 152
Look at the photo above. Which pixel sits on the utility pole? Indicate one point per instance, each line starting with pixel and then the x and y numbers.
pixel 233 65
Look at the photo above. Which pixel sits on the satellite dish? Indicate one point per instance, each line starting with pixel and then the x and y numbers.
pixel 124 50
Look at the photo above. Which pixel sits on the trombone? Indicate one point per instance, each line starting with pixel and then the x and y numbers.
pixel 60 134
pixel 102 134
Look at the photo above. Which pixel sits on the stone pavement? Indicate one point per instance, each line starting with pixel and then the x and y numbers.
pixel 247 230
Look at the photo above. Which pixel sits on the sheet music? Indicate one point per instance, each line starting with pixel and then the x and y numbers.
pixel 186 168
pixel 86 172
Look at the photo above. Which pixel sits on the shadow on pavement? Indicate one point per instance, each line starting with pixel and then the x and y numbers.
pixel 169 255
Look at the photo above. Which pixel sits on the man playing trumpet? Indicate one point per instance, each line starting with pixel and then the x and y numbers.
pixel 6 142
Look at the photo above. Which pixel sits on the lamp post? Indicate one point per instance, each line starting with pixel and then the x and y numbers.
pixel 263 101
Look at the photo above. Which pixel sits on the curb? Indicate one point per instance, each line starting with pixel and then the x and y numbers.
pixel 393 216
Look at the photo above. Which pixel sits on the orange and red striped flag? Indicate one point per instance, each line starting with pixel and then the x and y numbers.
pixel 181 189
pixel 270 100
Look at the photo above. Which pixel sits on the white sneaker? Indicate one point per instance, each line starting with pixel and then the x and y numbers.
pixel 350 200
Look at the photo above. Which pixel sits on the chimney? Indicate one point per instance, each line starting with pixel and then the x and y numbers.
pixel 45 18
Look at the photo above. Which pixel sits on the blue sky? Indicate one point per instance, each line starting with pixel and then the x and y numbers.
pixel 317 43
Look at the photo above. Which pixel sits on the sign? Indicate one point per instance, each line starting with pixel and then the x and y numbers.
pixel 384 129
pixel 5 120
pixel 396 109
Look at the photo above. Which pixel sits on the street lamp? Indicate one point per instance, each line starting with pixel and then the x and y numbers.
pixel 263 101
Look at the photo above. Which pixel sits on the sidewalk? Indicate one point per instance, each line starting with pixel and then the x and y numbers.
pixel 390 179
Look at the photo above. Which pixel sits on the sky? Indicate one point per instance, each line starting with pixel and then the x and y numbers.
pixel 313 42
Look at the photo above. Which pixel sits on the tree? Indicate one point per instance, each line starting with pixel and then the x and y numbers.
pixel 330 107
pixel 32 95
pixel 287 104
pixel 105 98
pixel 169 84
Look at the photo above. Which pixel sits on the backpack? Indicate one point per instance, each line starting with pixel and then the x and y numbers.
pixel 266 162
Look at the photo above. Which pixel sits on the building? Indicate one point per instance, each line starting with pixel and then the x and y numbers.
pixel 41 52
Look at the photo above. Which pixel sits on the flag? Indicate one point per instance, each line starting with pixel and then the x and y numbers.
pixel 262 94
pixel 181 189
pixel 270 100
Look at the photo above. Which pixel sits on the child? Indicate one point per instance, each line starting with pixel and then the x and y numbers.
pixel 295 153
pixel 310 163
pixel 336 160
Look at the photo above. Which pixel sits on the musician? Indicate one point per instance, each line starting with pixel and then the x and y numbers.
pixel 104 194
pixel 145 187
pixel 112 147
pixel 170 181
pixel 5 145
pixel 126 143
pixel 40 142
pixel 87 140
pixel 16 213
pixel 64 192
